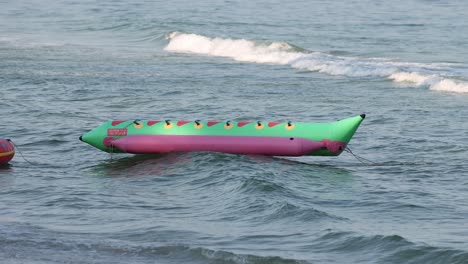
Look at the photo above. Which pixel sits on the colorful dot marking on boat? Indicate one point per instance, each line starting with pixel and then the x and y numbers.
pixel 228 126
pixel 138 125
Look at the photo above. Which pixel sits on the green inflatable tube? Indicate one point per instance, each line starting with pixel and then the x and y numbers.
pixel 260 138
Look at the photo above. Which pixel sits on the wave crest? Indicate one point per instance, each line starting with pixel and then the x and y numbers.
pixel 413 78
pixel 237 49
pixel 435 82
pixel 432 75
pixel 450 86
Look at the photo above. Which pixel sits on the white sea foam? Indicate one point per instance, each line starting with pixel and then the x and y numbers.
pixel 334 65
pixel 414 78
pixel 435 82
pixel 411 74
pixel 450 86
pixel 237 49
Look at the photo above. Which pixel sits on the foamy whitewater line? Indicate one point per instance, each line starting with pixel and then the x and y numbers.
pixel 281 53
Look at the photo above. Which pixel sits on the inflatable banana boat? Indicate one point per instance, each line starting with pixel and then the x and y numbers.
pixel 7 151
pixel 258 138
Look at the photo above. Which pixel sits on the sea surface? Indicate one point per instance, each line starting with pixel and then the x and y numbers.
pixel 68 66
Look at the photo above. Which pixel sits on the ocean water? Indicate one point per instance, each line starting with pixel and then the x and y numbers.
pixel 68 66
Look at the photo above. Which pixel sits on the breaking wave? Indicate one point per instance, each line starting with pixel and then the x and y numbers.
pixel 436 76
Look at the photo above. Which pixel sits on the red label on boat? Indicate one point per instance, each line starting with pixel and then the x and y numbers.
pixel 116 132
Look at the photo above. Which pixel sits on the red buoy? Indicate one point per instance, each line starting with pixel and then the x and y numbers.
pixel 7 151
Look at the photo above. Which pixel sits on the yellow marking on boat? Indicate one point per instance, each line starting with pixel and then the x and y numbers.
pixel 7 153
